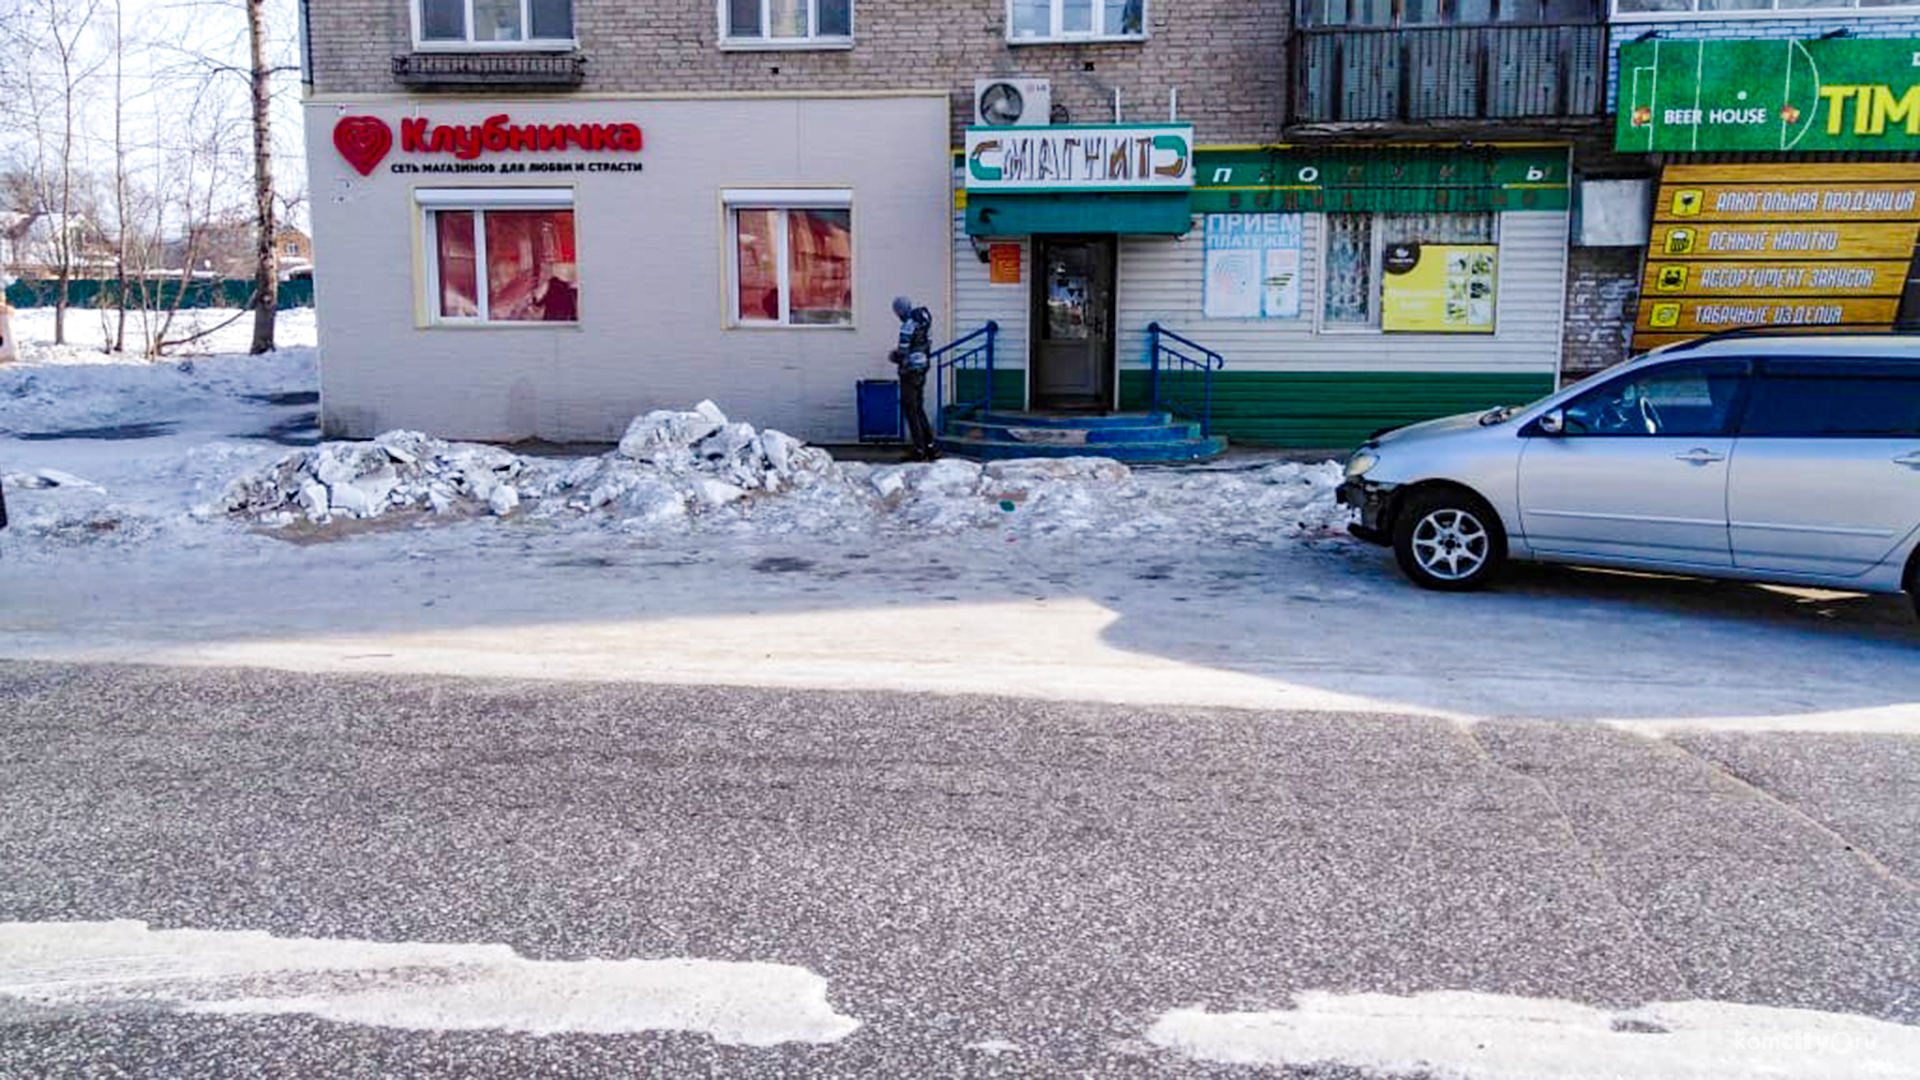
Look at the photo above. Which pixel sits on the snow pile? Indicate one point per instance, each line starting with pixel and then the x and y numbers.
pixel 400 470
pixel 681 469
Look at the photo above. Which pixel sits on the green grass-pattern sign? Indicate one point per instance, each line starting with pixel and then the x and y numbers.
pixel 1781 94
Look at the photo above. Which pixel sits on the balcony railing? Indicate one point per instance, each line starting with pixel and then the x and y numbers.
pixel 551 71
pixel 1419 74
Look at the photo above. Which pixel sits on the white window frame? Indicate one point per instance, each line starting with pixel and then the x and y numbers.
pixel 1376 237
pixel 765 43
pixel 1056 35
pixel 732 201
pixel 432 201
pixel 1785 10
pixel 526 44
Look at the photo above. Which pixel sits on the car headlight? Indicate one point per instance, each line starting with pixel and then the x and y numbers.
pixel 1360 462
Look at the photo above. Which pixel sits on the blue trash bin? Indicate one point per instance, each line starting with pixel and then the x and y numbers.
pixel 879 406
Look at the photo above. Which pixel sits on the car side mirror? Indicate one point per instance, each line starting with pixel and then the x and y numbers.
pixel 1552 422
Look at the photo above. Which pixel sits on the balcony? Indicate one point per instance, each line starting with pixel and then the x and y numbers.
pixel 1420 75
pixel 497 70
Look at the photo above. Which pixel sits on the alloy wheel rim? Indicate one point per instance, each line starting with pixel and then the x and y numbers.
pixel 1450 544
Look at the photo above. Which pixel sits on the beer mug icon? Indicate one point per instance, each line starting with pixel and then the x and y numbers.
pixel 1679 242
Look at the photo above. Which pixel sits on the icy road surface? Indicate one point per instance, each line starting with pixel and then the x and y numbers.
pixel 1231 584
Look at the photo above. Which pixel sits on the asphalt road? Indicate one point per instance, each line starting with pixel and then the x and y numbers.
pixel 960 870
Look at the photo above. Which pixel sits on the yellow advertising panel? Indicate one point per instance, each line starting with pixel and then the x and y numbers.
pixel 1784 240
pixel 1778 245
pixel 1705 316
pixel 1887 277
pixel 1439 288
pixel 1834 200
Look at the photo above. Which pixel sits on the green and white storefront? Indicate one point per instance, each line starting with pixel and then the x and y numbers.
pixel 1349 288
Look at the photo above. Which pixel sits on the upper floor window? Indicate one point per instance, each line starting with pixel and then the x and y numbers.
pixel 1707 9
pixel 494 23
pixel 786 24
pixel 1387 13
pixel 1076 20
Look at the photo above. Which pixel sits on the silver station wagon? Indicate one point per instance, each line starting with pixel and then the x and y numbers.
pixel 1789 458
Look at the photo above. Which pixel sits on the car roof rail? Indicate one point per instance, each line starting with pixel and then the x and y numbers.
pixel 1909 327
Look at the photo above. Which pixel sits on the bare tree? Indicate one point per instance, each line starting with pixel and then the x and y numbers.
pixel 266 269
pixel 57 33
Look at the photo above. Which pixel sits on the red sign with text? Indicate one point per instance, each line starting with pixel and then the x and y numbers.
pixel 365 141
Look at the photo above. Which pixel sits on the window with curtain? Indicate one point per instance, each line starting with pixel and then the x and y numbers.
pixel 494 22
pixel 792 265
pixel 506 264
pixel 786 22
pixel 1350 269
pixel 1075 20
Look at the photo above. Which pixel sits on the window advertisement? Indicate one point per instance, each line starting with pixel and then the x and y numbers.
pixel 1253 266
pixel 1438 288
pixel 1777 245
pixel 1779 94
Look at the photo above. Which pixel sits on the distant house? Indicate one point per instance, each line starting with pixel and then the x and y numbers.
pixel 30 248
pixel 225 249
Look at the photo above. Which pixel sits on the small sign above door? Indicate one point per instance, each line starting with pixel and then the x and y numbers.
pixel 1081 157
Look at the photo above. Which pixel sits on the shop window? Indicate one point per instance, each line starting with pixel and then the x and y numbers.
pixel 1351 270
pixel 494 23
pixel 792 261
pixel 786 24
pixel 1708 9
pixel 504 256
pixel 1075 20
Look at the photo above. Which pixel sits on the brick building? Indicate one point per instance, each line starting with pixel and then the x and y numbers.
pixel 1365 209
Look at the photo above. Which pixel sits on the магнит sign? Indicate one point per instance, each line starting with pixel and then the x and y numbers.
pixel 1131 157
pixel 1776 94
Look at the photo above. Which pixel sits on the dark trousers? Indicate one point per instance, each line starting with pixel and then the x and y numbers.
pixel 913 405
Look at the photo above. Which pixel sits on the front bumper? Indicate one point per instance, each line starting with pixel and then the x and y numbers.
pixel 1371 502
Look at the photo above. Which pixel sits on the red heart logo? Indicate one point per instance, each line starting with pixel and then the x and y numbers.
pixel 363 141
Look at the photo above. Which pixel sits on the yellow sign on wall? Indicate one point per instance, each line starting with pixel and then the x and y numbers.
pixel 1439 288
pixel 1778 246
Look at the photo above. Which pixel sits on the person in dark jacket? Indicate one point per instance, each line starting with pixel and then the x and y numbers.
pixel 912 357
pixel 3 507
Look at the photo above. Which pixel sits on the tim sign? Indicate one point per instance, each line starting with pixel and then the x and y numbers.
pixel 1778 94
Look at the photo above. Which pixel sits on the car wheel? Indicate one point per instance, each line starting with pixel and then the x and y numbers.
pixel 1448 540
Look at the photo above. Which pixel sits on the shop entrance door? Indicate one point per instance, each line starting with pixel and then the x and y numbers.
pixel 1073 322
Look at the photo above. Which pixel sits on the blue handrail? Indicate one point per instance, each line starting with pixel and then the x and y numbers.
pixel 974 352
pixel 1182 356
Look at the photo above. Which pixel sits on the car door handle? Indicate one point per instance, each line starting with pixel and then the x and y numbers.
pixel 1911 461
pixel 1699 455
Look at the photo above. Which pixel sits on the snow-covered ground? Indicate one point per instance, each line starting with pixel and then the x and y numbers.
pixel 180 512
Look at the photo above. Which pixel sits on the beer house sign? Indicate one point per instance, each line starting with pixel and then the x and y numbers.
pixel 365 141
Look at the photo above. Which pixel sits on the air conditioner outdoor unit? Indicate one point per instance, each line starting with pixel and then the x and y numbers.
pixel 1012 102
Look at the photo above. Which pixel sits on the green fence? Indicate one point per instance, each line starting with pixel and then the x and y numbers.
pixel 200 293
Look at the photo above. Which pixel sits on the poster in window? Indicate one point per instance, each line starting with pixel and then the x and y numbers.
pixel 1438 288
pixel 1252 266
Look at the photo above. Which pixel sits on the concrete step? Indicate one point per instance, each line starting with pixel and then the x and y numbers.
pixel 1013 418
pixel 1132 452
pixel 1056 435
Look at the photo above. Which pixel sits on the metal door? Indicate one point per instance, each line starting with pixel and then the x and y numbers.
pixel 1073 321
pixel 1826 473
pixel 1639 471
